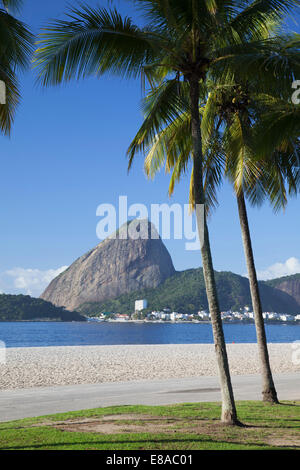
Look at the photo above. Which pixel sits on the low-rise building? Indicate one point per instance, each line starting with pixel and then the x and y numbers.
pixel 273 316
pixel 204 315
pixel 159 315
pixel 226 316
pixel 121 316
pixel 250 315
pixel 287 317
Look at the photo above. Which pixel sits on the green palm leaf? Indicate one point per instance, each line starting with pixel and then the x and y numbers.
pixel 15 53
pixel 93 42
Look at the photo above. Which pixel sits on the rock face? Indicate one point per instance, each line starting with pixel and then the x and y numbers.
pixel 116 266
pixel 291 287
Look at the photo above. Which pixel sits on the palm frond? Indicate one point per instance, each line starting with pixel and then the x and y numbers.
pixel 258 16
pixel 270 62
pixel 16 42
pixel 7 110
pixel 12 4
pixel 93 42
pixel 160 107
pixel 278 128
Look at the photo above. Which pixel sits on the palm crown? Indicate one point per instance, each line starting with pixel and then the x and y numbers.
pixel 232 117
pixel 188 37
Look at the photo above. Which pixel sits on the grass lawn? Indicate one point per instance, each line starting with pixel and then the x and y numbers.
pixel 174 427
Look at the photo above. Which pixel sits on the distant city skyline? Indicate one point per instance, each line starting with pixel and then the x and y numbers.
pixel 67 155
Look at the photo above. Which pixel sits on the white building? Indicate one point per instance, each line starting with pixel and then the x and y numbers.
pixel 238 315
pixel 173 316
pixel 204 315
pixel 162 315
pixel 140 305
pixel 159 315
pixel 121 317
pixel 287 317
pixel 273 316
pixel 183 316
pixel 250 315
pixel 266 315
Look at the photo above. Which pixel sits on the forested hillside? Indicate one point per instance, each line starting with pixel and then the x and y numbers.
pixel 24 307
pixel 185 292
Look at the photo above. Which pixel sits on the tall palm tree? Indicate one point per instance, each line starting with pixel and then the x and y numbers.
pixel 235 108
pixel 258 178
pixel 16 44
pixel 187 38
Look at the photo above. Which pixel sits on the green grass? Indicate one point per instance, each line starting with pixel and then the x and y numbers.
pixel 174 427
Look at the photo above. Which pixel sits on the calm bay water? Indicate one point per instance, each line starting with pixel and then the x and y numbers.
pixel 35 334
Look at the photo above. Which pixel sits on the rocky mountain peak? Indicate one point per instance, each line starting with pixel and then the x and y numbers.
pixel 132 258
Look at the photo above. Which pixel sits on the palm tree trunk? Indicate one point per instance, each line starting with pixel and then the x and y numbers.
pixel 268 387
pixel 229 414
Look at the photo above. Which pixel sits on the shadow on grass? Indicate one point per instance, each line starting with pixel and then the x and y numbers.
pixel 288 404
pixel 270 423
pixel 112 443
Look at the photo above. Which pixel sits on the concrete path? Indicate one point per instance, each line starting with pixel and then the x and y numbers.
pixel 24 403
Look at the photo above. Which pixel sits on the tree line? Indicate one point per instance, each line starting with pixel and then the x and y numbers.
pixel 23 307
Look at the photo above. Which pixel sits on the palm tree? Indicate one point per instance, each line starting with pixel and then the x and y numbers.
pixel 235 108
pixel 268 387
pixel 186 38
pixel 239 107
pixel 15 50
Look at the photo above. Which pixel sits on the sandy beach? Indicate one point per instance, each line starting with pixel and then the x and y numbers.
pixel 69 365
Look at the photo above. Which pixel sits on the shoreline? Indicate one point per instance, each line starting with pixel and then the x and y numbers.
pixel 196 322
pixel 71 365
pixel 228 343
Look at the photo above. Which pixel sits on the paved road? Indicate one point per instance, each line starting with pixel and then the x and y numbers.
pixel 24 403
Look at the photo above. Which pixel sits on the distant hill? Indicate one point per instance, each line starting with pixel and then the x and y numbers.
pixel 185 292
pixel 288 284
pixel 24 307
pixel 279 280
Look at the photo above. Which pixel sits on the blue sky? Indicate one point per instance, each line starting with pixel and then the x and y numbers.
pixel 66 156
